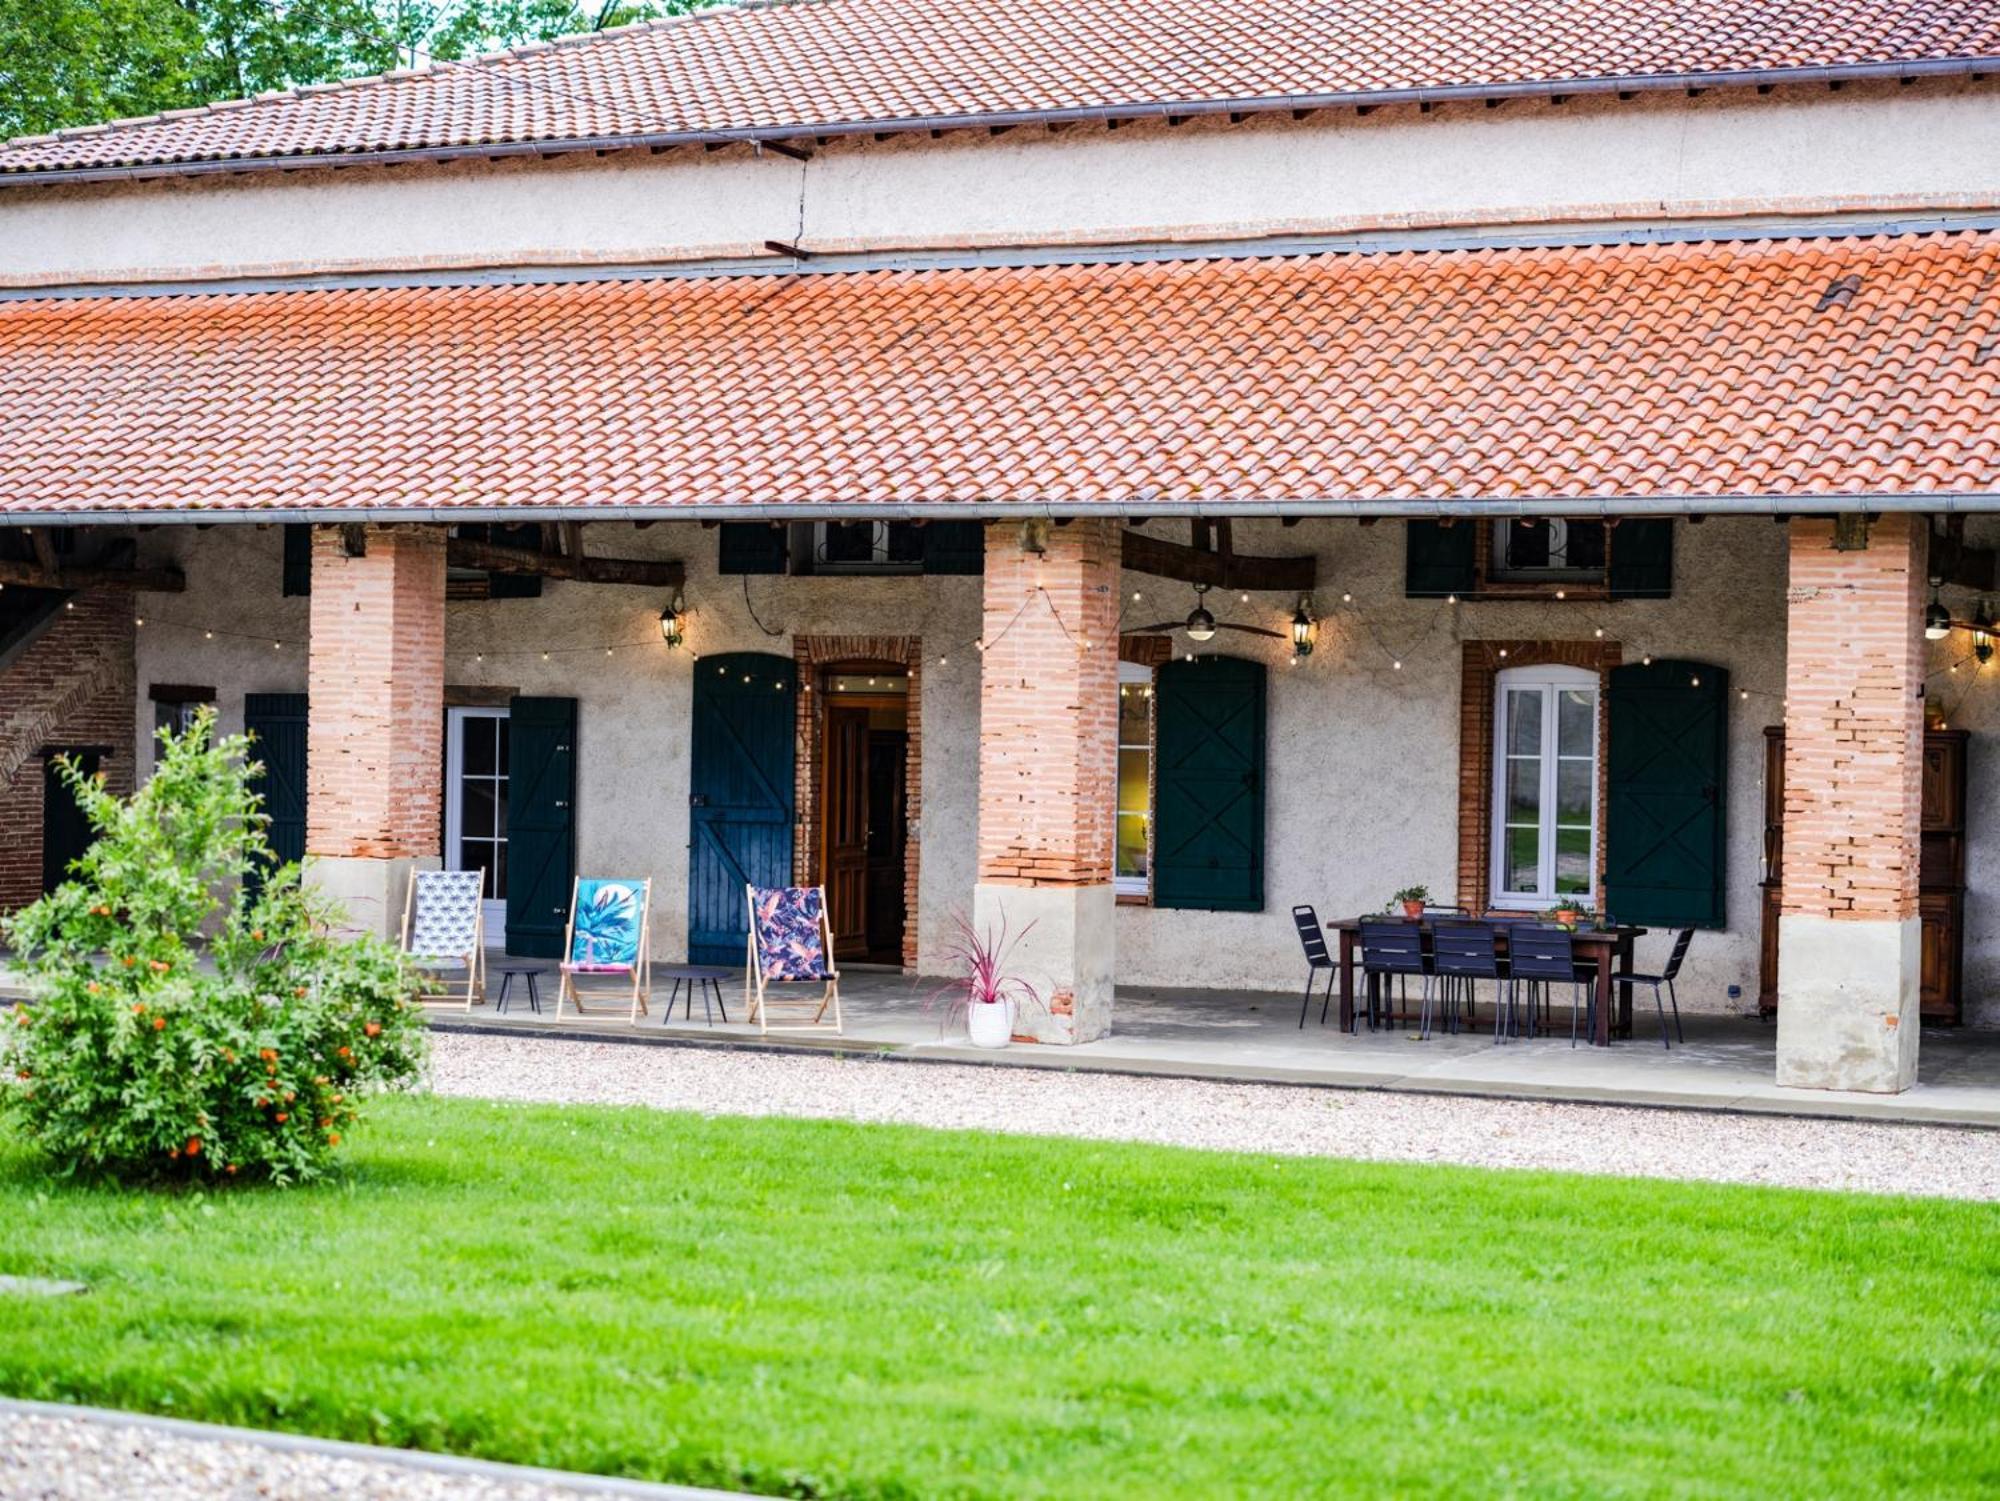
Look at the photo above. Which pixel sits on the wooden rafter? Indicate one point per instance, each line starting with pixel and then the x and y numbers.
pixel 112 570
pixel 1217 564
pixel 493 557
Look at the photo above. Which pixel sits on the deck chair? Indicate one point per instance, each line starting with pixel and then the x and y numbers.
pixel 444 932
pixel 790 944
pixel 609 925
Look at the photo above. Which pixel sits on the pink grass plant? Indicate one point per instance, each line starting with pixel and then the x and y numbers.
pixel 978 962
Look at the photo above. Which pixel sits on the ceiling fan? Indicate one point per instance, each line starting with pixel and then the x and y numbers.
pixel 1200 625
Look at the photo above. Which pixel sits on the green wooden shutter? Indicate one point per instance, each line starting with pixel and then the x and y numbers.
pixel 1666 774
pixel 1438 559
pixel 955 547
pixel 298 574
pixel 541 823
pixel 750 547
pixel 1642 559
pixel 278 723
pixel 1208 785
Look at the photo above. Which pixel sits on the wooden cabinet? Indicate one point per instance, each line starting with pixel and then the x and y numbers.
pixel 1941 872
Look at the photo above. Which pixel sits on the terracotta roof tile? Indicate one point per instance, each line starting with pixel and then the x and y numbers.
pixel 820 64
pixel 1703 369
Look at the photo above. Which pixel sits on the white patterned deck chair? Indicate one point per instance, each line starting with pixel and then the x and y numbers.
pixel 444 932
pixel 790 944
pixel 608 929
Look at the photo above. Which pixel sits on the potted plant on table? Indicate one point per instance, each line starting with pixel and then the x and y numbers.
pixel 1569 914
pixel 981 986
pixel 1412 899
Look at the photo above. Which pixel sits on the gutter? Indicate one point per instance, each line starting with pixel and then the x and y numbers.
pixel 1937 503
pixel 1494 93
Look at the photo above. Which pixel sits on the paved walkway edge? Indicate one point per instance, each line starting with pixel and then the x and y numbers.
pixel 414 1459
pixel 1891 1110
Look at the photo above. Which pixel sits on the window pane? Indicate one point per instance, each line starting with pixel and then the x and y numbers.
pixel 906 542
pixel 475 854
pixel 1583 545
pixel 1522 870
pixel 1524 791
pixel 1132 720
pixel 1132 779
pixel 479 745
pixel 500 809
pixel 1131 844
pixel 1524 721
pixel 476 810
pixel 849 542
pixel 1572 791
pixel 1576 710
pixel 1528 545
pixel 1572 860
pixel 496 874
pixel 501 736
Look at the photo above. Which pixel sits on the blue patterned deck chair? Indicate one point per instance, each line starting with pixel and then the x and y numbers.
pixel 444 932
pixel 790 944
pixel 608 928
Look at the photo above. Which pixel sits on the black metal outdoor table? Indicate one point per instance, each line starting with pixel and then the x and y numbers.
pixel 1609 949
pixel 708 977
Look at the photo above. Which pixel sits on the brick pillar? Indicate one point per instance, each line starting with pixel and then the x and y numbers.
pixel 1048 752
pixel 375 727
pixel 1848 964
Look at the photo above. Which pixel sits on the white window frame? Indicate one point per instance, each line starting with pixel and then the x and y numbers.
pixel 1553 681
pixel 1133 675
pixel 454 772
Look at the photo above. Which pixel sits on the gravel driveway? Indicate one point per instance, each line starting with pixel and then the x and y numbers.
pixel 1944 1161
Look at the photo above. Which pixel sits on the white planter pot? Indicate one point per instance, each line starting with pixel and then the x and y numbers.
pixel 989 1024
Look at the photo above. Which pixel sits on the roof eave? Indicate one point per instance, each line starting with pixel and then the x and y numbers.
pixel 1950 67
pixel 1919 502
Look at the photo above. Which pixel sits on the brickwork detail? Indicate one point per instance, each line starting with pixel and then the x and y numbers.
pixel 375 679
pixel 1483 662
pixel 1048 706
pixel 1854 721
pixel 813 653
pixel 71 686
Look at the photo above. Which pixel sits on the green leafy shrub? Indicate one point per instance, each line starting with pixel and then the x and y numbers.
pixel 187 1022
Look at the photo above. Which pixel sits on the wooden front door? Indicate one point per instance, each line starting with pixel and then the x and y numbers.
pixel 845 805
pixel 740 796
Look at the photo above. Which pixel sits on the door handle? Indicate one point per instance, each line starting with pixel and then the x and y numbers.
pixel 697 799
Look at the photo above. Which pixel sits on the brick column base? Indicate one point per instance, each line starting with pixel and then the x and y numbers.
pixel 1848 959
pixel 1048 753
pixel 375 718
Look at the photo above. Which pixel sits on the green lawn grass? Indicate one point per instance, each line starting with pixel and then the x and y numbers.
pixel 826 1309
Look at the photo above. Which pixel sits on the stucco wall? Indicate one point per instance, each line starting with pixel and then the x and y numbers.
pixel 1798 149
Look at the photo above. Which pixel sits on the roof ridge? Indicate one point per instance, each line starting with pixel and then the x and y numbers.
pixel 437 67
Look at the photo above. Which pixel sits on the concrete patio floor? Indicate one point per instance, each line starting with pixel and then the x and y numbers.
pixel 1727 1063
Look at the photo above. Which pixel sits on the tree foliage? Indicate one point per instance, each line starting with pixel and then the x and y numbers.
pixel 80 62
pixel 185 1021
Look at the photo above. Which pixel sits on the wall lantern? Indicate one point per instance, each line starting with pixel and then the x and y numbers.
pixel 1982 635
pixel 1937 619
pixel 1305 630
pixel 673 623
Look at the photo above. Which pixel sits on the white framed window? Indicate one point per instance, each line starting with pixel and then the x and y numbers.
pixel 177 716
pixel 475 806
pixel 1132 864
pixel 1545 768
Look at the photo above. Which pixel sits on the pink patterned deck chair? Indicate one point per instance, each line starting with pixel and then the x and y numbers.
pixel 608 925
pixel 444 933
pixel 790 944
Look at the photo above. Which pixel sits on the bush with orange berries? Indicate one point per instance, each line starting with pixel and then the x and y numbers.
pixel 188 1021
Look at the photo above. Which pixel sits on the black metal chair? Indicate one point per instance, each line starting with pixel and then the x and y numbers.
pixel 1462 954
pixel 1312 938
pixel 1665 980
pixel 1391 950
pixel 1544 957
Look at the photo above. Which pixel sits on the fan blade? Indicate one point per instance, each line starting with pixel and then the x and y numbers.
pixel 1250 630
pixel 1154 630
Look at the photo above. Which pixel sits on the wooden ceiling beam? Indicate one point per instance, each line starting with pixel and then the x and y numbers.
pixel 1221 570
pixel 655 573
